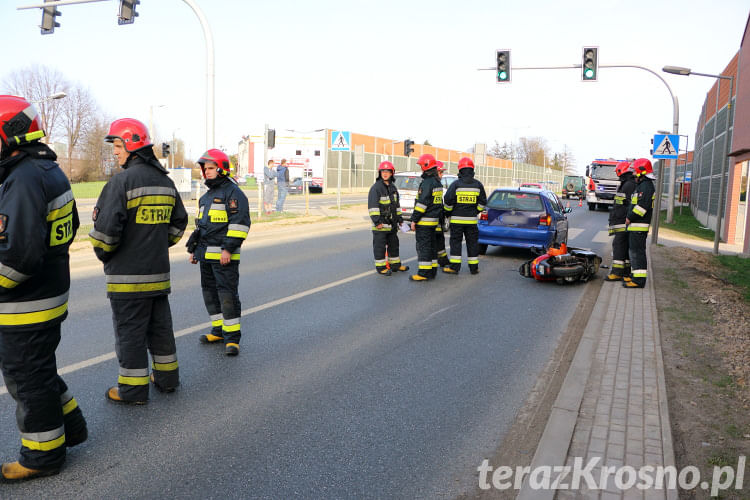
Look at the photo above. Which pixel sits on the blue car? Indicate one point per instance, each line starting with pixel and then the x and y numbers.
pixel 523 218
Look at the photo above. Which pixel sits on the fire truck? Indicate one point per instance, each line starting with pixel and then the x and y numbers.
pixel 603 183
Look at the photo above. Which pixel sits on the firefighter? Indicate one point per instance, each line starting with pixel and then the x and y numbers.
pixel 426 216
pixel 464 200
pixel 222 225
pixel 385 211
pixel 138 216
pixel 442 255
pixel 620 257
pixel 38 220
pixel 638 221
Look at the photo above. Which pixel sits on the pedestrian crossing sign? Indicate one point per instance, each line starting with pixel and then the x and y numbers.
pixel 341 140
pixel 666 146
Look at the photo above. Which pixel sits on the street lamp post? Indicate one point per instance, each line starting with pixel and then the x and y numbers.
pixel 677 70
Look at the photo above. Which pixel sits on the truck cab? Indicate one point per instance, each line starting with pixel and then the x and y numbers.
pixel 603 183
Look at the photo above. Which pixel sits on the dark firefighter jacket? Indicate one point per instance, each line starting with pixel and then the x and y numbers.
pixel 622 204
pixel 641 205
pixel 138 216
pixel 38 220
pixel 384 206
pixel 223 221
pixel 428 207
pixel 465 198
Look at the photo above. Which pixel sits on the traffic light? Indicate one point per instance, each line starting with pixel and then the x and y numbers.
pixel 408 149
pixel 165 149
pixel 503 66
pixel 48 19
pixel 271 139
pixel 127 13
pixel 590 64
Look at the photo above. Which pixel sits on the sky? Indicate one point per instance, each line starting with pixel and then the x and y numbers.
pixel 393 68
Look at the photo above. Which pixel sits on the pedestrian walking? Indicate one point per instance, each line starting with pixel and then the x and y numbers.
pixel 464 201
pixel 137 217
pixel 222 225
pixel 385 211
pixel 38 221
pixel 269 176
pixel 617 226
pixel 639 221
pixel 426 216
pixel 282 182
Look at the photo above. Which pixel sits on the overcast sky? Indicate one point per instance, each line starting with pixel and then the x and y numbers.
pixel 392 68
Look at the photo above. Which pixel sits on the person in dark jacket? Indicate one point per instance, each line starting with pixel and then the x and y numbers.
pixel 385 211
pixel 138 216
pixel 426 216
pixel 222 225
pixel 464 200
pixel 38 221
pixel 442 255
pixel 617 227
pixel 282 183
pixel 639 221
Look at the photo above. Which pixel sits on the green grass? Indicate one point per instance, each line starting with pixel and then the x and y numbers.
pixel 736 271
pixel 686 224
pixel 87 189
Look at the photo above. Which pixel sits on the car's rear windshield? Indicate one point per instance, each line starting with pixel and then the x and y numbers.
pixel 407 182
pixel 513 200
pixel 575 179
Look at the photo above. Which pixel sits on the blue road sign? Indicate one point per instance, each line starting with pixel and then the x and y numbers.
pixel 666 146
pixel 341 140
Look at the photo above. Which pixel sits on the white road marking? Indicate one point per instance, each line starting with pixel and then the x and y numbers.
pixel 601 237
pixel 191 329
pixel 574 232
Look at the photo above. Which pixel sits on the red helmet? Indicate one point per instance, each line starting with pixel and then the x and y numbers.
pixel 440 166
pixel 622 168
pixel 642 166
pixel 216 156
pixel 132 133
pixel 19 121
pixel 427 161
pixel 386 165
pixel 465 162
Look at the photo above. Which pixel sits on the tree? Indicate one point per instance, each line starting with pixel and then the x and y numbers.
pixel 77 115
pixel 36 83
pixel 97 154
pixel 426 143
pixel 504 152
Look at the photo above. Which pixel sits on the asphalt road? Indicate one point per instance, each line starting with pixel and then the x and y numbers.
pixel 358 386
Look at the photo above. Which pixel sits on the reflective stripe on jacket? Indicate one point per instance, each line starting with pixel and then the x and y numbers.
pixel 465 198
pixel 383 205
pixel 428 206
pixel 223 221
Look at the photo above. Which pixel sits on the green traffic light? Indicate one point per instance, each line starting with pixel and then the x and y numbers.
pixel 502 75
pixel 589 74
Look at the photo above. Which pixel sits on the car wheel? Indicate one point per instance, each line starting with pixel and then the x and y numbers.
pixel 567 271
pixel 482 249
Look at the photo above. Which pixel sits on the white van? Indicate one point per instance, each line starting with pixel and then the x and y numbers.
pixel 408 183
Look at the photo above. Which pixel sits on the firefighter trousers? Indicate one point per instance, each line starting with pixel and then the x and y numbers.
pixel 143 326
pixel 45 409
pixel 638 263
pixel 470 232
pixel 383 241
pixel 621 254
pixel 442 255
pixel 426 252
pixel 220 286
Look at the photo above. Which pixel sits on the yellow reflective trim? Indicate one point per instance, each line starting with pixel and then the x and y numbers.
pixel 173 238
pixel 132 380
pixel 153 214
pixel 7 282
pixel 231 328
pixel 218 216
pixel 217 322
pixel 151 200
pixel 419 209
pixel 165 367
pixel 428 223
pixel 454 221
pixel 102 245
pixel 64 210
pixel 639 210
pixel 69 406
pixel 45 446
pixel 236 234
pixel 474 261
pixel 33 317
pixel 61 231
pixel 470 198
pixel 217 256
pixel 426 267
pixel 640 275
pixel 137 287
pixel 642 229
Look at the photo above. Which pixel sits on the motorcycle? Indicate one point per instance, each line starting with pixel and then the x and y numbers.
pixel 562 264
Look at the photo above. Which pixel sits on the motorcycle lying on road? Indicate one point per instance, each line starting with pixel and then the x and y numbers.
pixel 561 264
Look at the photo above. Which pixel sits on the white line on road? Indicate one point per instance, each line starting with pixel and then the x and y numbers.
pixel 574 232
pixel 601 237
pixel 191 329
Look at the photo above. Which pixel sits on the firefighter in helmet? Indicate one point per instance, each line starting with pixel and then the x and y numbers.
pixel 464 201
pixel 222 225
pixel 385 211
pixel 442 255
pixel 38 220
pixel 426 216
pixel 138 216
pixel 617 228
pixel 638 221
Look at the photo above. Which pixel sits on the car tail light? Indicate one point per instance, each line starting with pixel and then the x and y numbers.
pixel 545 220
pixel 483 215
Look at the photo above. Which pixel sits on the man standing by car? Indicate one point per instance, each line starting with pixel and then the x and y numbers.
pixel 639 220
pixel 138 216
pixel 426 216
pixel 617 227
pixel 282 182
pixel 464 200
pixel 442 255
pixel 385 212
